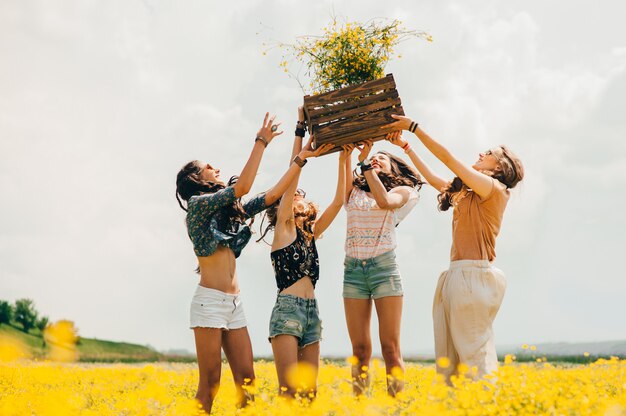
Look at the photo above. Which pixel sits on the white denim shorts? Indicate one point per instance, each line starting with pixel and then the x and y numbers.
pixel 211 308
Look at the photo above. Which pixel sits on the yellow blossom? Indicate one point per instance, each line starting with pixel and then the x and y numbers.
pixel 443 362
pixel 44 388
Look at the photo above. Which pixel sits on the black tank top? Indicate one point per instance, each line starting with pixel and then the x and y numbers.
pixel 299 259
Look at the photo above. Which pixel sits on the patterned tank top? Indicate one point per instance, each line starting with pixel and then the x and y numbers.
pixel 299 259
pixel 371 230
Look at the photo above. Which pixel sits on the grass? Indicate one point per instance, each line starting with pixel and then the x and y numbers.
pixel 89 349
pixel 103 351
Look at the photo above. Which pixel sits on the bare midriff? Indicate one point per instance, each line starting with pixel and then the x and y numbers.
pixel 303 288
pixel 219 271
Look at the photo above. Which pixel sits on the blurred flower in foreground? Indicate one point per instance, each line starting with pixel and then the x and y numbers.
pixel 352 360
pixel 443 362
pixel 61 338
pixel 302 376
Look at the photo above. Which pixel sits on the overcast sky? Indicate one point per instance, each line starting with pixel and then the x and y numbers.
pixel 102 102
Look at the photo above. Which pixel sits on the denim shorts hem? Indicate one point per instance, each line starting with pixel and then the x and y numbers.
pixel 309 343
pixel 277 333
pixel 355 296
pixel 387 295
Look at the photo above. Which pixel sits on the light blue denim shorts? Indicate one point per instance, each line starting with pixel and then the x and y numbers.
pixel 293 315
pixel 372 278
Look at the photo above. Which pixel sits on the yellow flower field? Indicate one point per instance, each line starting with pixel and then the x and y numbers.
pixel 44 388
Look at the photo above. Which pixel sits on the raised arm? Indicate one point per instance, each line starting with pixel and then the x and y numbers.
pixel 263 137
pixel 384 199
pixel 297 141
pixel 285 209
pixel 433 179
pixel 480 183
pixel 279 189
pixel 349 177
pixel 330 213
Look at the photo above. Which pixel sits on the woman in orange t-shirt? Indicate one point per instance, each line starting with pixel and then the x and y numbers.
pixel 470 292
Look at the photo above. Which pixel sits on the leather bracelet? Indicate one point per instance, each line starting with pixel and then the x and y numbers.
pixel 300 132
pixel 262 140
pixel 413 126
pixel 299 161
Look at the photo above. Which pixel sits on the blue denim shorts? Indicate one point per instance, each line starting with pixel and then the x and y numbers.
pixel 372 278
pixel 296 316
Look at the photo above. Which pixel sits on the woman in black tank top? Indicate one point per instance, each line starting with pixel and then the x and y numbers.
pixel 295 328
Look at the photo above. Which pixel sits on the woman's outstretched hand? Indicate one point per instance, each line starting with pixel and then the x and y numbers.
pixel 364 147
pixel 396 139
pixel 268 129
pixel 307 151
pixel 346 151
pixel 401 123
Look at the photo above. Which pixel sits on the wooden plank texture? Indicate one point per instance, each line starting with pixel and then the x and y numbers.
pixel 352 91
pixel 353 124
pixel 352 114
pixel 316 113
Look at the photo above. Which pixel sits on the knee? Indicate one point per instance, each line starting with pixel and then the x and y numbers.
pixel 210 382
pixel 244 378
pixel 391 351
pixel 362 351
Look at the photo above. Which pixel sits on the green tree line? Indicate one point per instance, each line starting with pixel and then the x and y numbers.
pixel 22 315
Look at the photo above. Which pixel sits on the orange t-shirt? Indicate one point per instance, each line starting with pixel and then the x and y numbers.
pixel 476 223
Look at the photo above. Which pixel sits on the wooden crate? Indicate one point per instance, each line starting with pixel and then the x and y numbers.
pixel 353 113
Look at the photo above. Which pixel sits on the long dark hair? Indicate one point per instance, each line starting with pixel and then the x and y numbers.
pixel 189 183
pixel 510 175
pixel 401 175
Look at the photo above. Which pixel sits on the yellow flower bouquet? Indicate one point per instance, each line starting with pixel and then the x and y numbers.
pixel 353 101
pixel 348 54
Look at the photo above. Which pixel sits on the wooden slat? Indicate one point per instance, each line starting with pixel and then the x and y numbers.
pixel 357 136
pixel 373 138
pixel 316 113
pixel 337 117
pixel 352 91
pixel 362 122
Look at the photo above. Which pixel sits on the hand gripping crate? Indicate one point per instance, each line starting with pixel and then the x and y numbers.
pixel 351 114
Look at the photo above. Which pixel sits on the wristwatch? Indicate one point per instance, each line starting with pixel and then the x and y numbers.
pixel 365 166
